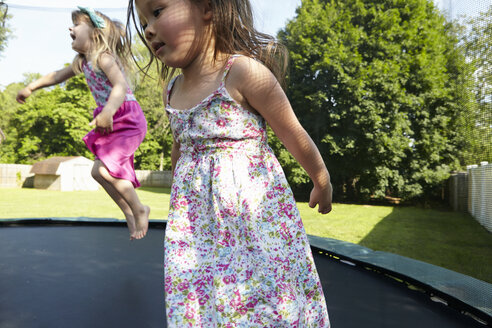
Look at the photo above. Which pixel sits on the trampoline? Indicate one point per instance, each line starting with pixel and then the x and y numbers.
pixel 83 273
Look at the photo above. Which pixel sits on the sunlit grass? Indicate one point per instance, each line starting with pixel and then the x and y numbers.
pixel 452 240
pixel 35 203
pixel 345 222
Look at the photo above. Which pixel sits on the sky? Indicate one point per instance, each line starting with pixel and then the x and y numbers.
pixel 42 42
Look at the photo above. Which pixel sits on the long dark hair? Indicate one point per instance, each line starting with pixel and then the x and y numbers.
pixel 234 33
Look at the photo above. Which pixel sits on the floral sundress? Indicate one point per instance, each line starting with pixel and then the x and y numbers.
pixel 236 252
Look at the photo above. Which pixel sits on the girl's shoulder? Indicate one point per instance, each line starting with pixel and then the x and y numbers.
pixel 244 66
pixel 106 60
pixel 246 72
pixel 245 78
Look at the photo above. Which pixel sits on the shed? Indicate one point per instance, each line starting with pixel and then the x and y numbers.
pixel 64 173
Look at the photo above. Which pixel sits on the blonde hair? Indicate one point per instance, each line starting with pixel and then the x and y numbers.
pixel 234 33
pixel 110 39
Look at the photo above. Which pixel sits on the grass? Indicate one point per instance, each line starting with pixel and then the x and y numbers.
pixel 452 240
pixel 448 239
pixel 35 203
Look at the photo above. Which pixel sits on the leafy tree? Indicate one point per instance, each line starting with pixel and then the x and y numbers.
pixel 5 32
pixel 477 42
pixel 374 83
pixel 8 106
pixel 51 123
pixel 155 152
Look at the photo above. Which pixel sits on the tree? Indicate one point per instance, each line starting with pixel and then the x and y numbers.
pixel 5 32
pixel 373 83
pixel 52 123
pixel 155 151
pixel 8 106
pixel 477 43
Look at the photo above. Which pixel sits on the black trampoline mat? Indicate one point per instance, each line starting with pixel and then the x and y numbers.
pixel 92 276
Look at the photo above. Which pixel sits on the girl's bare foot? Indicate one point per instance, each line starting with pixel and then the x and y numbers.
pixel 142 222
pixel 132 227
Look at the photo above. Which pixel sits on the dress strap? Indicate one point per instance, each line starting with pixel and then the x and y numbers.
pixel 228 66
pixel 169 89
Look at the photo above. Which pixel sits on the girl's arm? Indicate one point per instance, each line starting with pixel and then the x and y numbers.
pixel 45 81
pixel 262 92
pixel 104 120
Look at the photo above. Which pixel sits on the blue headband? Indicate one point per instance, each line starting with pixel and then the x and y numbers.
pixel 97 20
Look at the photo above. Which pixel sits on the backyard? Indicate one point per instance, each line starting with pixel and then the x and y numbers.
pixel 441 237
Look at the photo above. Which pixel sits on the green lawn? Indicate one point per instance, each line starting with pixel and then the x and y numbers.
pixel 444 238
pixel 34 203
pixel 452 240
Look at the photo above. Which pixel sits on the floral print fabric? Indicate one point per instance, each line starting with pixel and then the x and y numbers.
pixel 236 253
pixel 100 85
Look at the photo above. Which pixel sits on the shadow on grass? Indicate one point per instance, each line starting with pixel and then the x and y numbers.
pixel 452 240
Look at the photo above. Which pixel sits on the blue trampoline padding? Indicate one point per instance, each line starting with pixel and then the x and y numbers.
pixel 473 292
pixel 74 220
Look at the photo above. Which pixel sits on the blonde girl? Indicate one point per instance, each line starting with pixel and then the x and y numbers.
pixel 120 125
pixel 236 252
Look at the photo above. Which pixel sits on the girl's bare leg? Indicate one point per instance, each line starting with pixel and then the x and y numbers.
pixel 124 195
pixel 119 200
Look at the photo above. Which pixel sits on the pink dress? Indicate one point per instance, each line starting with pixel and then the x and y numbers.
pixel 236 253
pixel 115 149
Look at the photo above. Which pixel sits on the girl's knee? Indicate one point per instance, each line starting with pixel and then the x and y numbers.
pixel 96 172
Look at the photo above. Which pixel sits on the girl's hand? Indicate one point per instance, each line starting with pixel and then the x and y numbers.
pixel 23 94
pixel 103 122
pixel 322 197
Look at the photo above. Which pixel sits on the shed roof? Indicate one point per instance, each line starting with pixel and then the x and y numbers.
pixel 51 165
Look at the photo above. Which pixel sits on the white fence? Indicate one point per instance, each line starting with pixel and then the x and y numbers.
pixel 162 179
pixel 458 191
pixel 15 176
pixel 480 193
pixel 18 175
